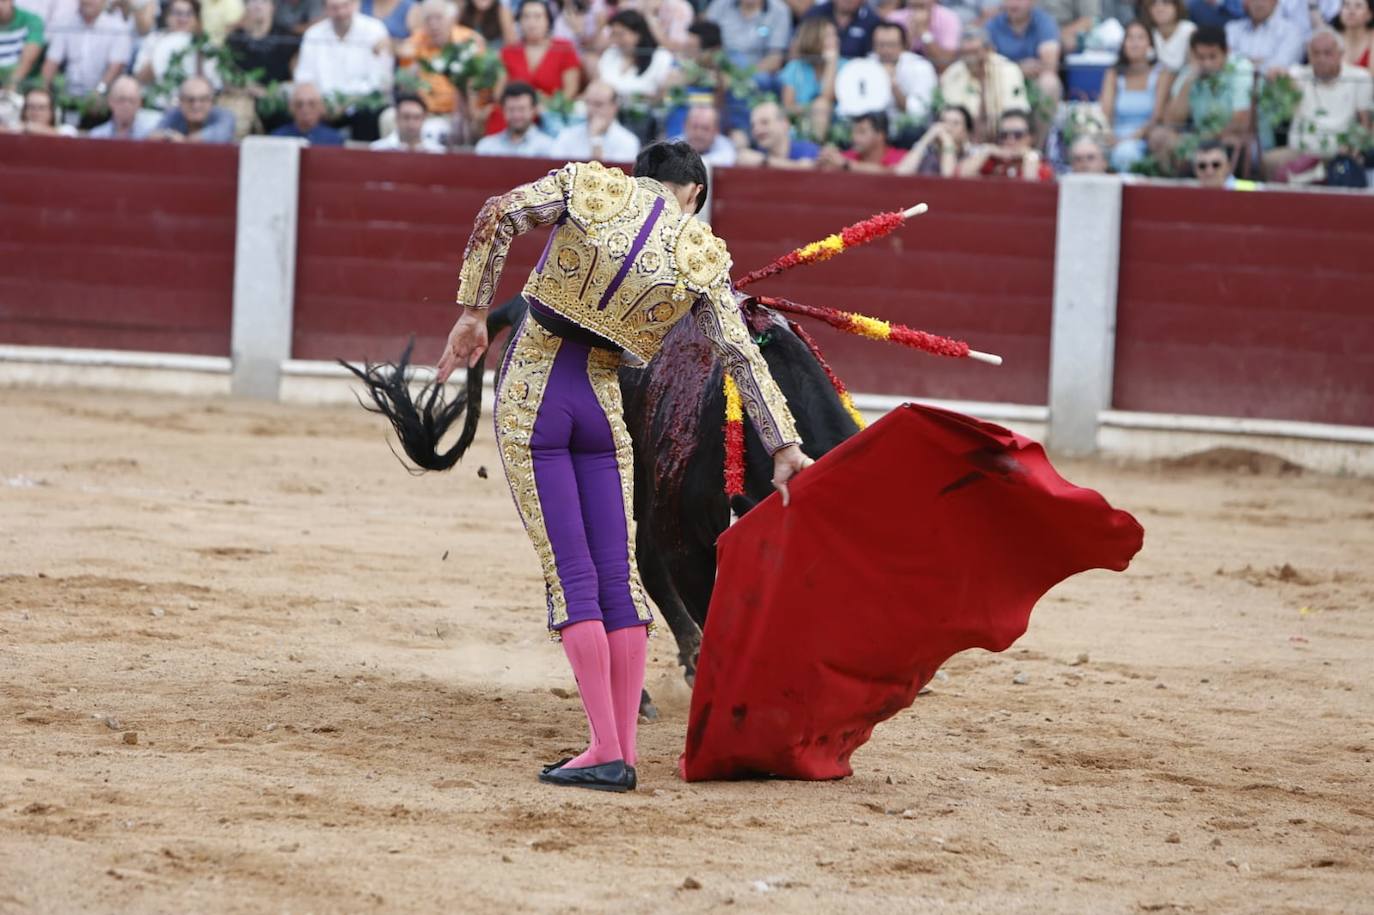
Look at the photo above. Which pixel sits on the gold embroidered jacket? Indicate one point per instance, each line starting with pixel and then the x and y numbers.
pixel 625 262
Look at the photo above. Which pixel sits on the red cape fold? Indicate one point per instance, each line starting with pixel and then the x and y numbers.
pixel 924 535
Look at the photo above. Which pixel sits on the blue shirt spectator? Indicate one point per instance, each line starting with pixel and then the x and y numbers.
pixel 753 33
pixel 1022 44
pixel 1207 12
pixel 196 117
pixel 854 20
pixel 319 135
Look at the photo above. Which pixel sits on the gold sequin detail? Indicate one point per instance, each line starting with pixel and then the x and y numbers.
pixel 517 405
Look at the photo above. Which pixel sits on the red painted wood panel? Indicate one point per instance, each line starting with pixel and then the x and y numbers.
pixel 1246 304
pixel 979 266
pixel 381 238
pixel 117 245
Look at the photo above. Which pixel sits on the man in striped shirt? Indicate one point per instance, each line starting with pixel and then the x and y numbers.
pixel 21 41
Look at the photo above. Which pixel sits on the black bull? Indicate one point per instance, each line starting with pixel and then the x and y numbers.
pixel 675 411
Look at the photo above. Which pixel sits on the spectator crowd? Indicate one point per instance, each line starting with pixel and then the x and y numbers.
pixel 1226 91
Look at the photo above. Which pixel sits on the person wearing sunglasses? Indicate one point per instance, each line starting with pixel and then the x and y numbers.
pixel 1013 156
pixel 1212 165
pixel 1215 99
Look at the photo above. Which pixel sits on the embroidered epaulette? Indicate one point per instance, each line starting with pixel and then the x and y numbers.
pixel 598 194
pixel 701 260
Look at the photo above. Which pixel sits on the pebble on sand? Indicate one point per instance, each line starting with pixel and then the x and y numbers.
pixel 1021 679
pixel 560 692
pixel 131 737
pixel 691 883
pixel 157 611
pixel 1080 660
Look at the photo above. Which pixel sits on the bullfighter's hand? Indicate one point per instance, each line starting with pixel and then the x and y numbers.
pixel 466 343
pixel 787 463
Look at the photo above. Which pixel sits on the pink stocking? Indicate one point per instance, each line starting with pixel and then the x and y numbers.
pixel 628 649
pixel 586 646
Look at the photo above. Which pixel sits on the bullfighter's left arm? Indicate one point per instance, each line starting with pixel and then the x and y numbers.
pixel 720 320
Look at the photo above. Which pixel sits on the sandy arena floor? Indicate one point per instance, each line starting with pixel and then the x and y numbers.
pixel 248 665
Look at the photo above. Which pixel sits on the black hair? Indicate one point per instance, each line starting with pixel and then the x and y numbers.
pixel 1212 146
pixel 645 43
pixel 486 23
pixel 1212 36
pixel 548 11
pixel 673 162
pixel 403 97
pixel 708 34
pixel 1339 26
pixel 964 113
pixel 1021 113
pixel 884 24
pixel 166 15
pixel 517 89
pixel 876 119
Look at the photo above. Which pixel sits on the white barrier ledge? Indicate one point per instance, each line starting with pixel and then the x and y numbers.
pixel 1226 425
pixel 115 358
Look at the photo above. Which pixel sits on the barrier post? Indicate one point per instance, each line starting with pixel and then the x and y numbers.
pixel 1087 253
pixel 264 264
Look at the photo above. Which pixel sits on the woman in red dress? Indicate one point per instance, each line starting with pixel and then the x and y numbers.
pixel 548 64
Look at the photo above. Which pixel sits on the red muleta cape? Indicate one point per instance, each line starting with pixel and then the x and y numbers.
pixel 924 535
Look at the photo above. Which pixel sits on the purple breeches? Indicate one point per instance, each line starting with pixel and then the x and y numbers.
pixel 570 465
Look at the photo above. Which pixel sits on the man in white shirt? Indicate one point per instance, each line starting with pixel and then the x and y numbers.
pixel 521 137
pixel 701 130
pixel 128 119
pixel 602 138
pixel 348 56
pixel 913 77
pixel 410 123
pixel 94 45
pixel 1336 96
pixel 1268 40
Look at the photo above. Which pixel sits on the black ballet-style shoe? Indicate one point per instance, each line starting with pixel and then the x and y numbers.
pixel 558 765
pixel 634 778
pixel 611 776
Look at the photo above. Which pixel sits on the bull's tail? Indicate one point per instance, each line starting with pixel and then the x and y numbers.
pixel 421 423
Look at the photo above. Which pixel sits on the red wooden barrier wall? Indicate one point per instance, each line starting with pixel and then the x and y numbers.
pixel 979 266
pixel 117 245
pixel 1247 304
pixel 381 238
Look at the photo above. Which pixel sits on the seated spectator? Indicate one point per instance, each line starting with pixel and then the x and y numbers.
pixel 38 117
pixel 670 21
pixel 755 33
pixel 854 20
pixel 261 44
pixel 348 58
pixel 913 77
pixel 1214 101
pixel 1355 23
pixel 1133 96
pixel 218 17
pixel 1028 35
pixel 196 118
pixel 773 145
pixel 697 71
pixel 1335 97
pixel 703 135
pixel 808 79
pixel 396 15
pixel 1014 156
pixel 410 121
pixel 1075 19
pixel 491 19
pixel 1170 31
pixel 548 64
pixel 983 81
pixel 868 150
pixel 438 29
pixel 128 119
pixel 602 137
pixel 180 27
pixel 973 12
pixel 307 115
pixel 942 147
pixel 90 46
pixel 1212 166
pixel 521 136
pixel 1087 156
pixel 634 65
pixel 21 43
pixel 1270 42
pixel 932 29
pixel 295 16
